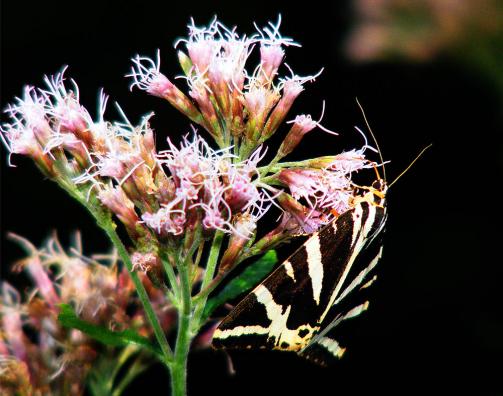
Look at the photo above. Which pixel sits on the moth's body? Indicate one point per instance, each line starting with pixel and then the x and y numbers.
pixel 297 306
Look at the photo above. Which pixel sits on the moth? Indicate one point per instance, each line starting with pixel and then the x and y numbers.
pixel 300 305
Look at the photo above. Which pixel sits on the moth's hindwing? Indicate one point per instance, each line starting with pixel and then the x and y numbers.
pixel 299 305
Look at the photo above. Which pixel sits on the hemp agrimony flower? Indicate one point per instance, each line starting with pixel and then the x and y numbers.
pixel 59 358
pixel 190 213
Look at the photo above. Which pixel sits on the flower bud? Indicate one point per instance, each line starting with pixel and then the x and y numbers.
pixel 291 90
pixel 302 125
pixel 146 76
pixel 144 261
pixel 258 102
pixel 271 57
pixel 199 93
pixel 116 200
pixel 12 322
pixel 245 227
pixel 309 220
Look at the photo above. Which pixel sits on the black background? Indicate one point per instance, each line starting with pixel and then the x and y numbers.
pixel 435 324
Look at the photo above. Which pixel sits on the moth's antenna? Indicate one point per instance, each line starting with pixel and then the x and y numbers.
pixel 373 138
pixel 410 166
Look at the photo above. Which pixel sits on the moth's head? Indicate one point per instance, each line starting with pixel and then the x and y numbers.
pixel 374 194
pixel 378 192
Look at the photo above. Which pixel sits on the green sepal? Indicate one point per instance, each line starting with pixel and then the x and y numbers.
pixel 185 63
pixel 69 319
pixel 242 283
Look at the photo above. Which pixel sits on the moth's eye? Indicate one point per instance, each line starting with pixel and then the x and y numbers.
pixel 377 185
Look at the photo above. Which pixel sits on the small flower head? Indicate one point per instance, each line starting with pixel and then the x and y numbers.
pixel 29 110
pixel 259 101
pixel 293 85
pixel 220 52
pixel 29 129
pixel 302 124
pixel 271 51
pixel 245 226
pixel 167 220
pixel 116 200
pixel 350 161
pixel 146 75
pixel 201 44
pixel 299 219
pixel 144 261
pixel 20 140
pixel 11 321
pixel 271 57
pixel 321 189
pixel 64 106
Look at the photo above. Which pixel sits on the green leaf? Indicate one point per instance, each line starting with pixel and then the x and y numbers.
pixel 68 318
pixel 242 283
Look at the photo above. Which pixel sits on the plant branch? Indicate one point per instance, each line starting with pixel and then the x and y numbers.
pixel 211 265
pixel 178 368
pixel 109 228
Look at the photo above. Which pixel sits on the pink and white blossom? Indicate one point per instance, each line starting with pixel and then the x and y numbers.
pixel 321 189
pixel 63 105
pixel 146 75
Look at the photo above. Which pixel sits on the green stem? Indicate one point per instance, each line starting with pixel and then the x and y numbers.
pixel 108 227
pixel 178 368
pixel 204 293
pixel 168 269
pixel 184 336
pixel 271 180
pixel 265 170
pixel 211 266
pixel 276 167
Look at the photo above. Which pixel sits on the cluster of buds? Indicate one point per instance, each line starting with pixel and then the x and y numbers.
pixel 38 355
pixel 237 107
pixel 164 197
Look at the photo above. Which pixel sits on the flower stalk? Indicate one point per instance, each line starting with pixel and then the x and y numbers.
pixel 211 264
pixel 109 229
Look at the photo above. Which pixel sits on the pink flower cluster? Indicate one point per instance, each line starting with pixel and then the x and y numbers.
pixel 119 163
pixel 231 103
pixel 37 354
pixel 207 184
pixel 161 196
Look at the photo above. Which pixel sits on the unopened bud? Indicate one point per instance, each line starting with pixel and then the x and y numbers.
pixel 291 90
pixel 271 57
pixel 309 220
pixel 245 226
pixel 116 200
pixel 302 125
